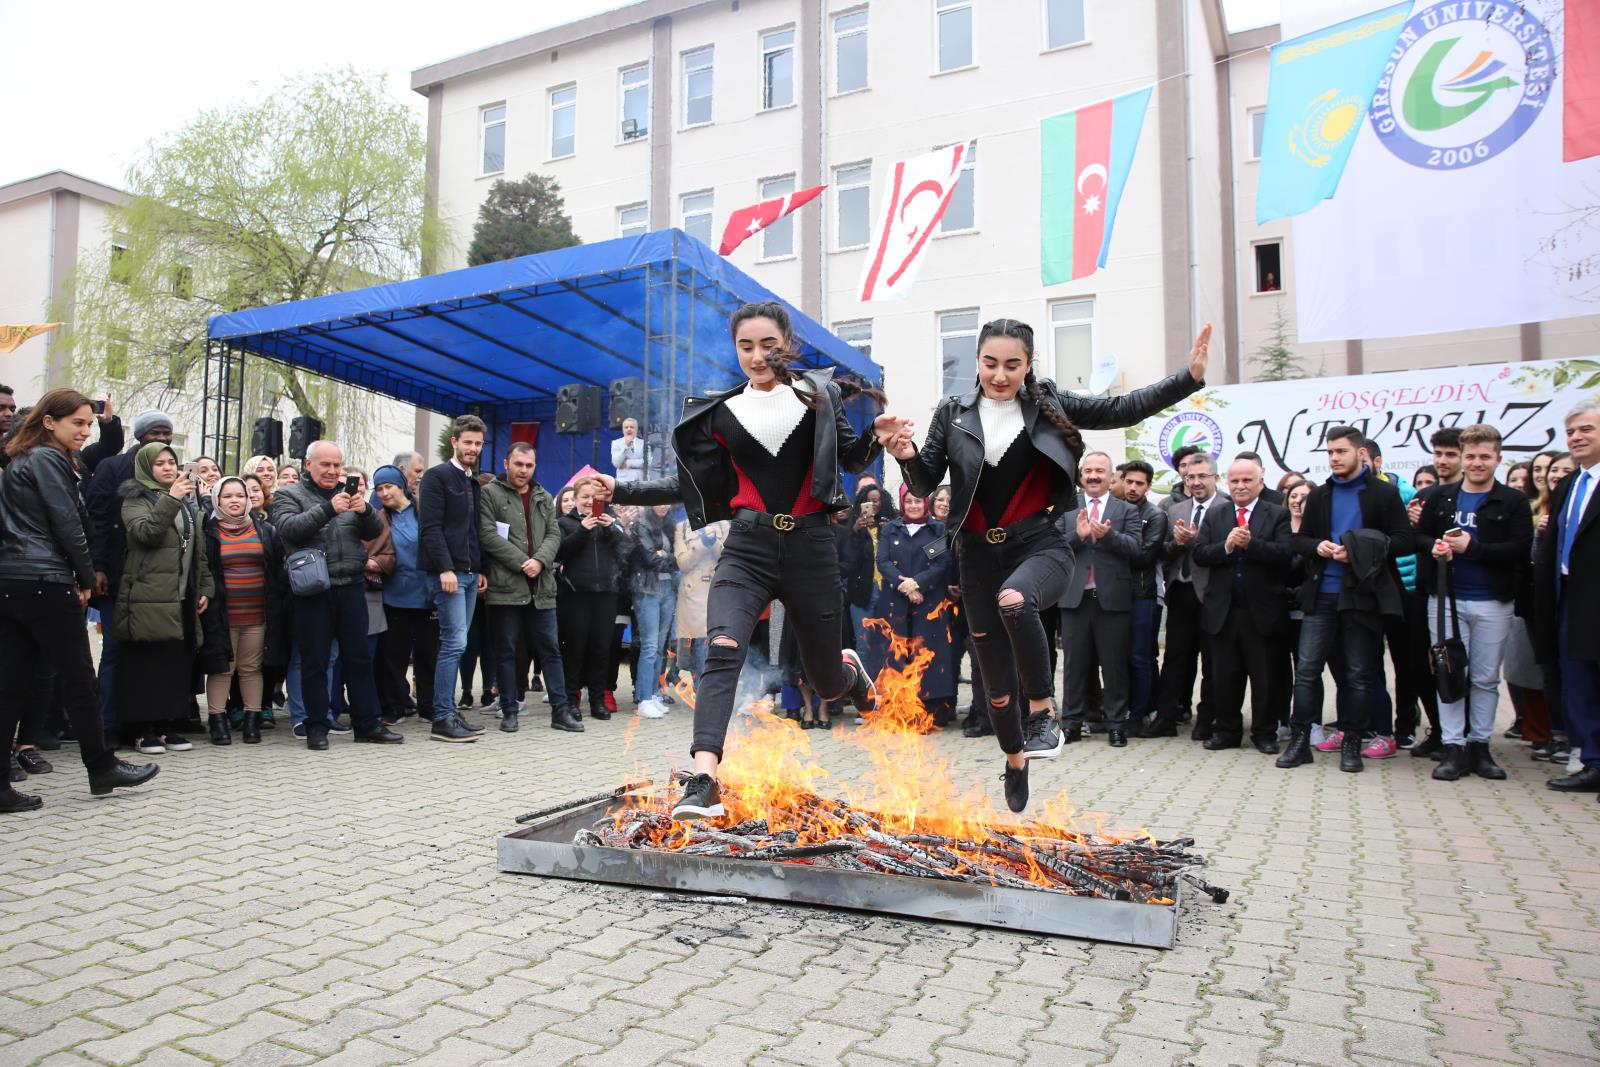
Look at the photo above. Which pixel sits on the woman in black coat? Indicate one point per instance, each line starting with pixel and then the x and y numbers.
pixel 248 613
pixel 915 600
pixel 1020 434
pixel 593 553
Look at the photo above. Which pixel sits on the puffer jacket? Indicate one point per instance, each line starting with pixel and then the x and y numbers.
pixel 653 574
pixel 503 556
pixel 1406 565
pixel 43 524
pixel 304 517
pixel 592 561
pixel 165 572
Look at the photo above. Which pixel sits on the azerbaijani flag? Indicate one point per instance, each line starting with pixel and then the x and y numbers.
pixel 1086 156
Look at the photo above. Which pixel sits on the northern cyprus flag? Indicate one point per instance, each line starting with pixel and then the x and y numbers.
pixel 919 190
pixel 1086 156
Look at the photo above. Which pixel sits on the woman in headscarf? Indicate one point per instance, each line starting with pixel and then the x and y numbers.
pixel 166 586
pixel 247 600
pixel 915 600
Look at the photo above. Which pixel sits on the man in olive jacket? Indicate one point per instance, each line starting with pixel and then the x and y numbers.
pixel 519 536
pixel 316 512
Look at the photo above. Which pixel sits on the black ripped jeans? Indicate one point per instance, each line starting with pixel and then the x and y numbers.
pixel 760 564
pixel 1038 565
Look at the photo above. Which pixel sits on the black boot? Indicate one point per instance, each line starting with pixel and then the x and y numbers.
pixel 217 725
pixel 252 728
pixel 1350 753
pixel 1016 786
pixel 12 802
pixel 1299 750
pixel 121 775
pixel 565 719
pixel 1482 763
pixel 508 723
pixel 1452 764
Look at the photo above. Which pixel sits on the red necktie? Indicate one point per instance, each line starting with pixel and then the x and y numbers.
pixel 1244 520
pixel 1094 516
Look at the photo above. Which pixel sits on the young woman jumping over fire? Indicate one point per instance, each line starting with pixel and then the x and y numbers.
pixel 1011 446
pixel 765 454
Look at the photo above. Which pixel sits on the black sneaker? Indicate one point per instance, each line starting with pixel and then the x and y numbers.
pixel 12 802
pixel 176 743
pixel 1042 740
pixel 702 799
pixel 1016 779
pixel 465 701
pixel 18 772
pixel 150 746
pixel 450 729
pixel 862 693
pixel 337 727
pixel 32 762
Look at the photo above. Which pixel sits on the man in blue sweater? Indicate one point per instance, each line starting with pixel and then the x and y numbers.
pixel 1353 531
pixel 448 552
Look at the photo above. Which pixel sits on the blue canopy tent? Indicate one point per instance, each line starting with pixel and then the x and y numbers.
pixel 499 341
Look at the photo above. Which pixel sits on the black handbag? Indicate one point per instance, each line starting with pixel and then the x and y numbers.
pixel 1447 657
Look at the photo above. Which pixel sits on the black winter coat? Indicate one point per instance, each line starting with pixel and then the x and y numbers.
pixel 1503 546
pixel 592 561
pixel 108 542
pixel 1381 510
pixel 955 438
pixel 705 482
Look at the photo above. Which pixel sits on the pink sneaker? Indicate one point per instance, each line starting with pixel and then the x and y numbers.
pixel 1331 740
pixel 1380 748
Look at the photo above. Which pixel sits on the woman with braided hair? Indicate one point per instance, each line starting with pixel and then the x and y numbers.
pixel 1011 446
pixel 766 455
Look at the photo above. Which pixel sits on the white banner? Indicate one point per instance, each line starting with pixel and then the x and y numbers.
pixel 1288 422
pixel 1456 210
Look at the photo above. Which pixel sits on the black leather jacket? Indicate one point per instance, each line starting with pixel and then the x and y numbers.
pixel 43 522
pixel 955 438
pixel 1152 538
pixel 706 481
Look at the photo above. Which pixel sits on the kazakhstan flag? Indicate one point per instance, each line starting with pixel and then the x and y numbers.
pixel 1319 91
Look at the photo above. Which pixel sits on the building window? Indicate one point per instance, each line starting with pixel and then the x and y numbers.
pixel 852 193
pixel 117 355
pixel 633 220
pixel 958 349
pixel 777 69
pixel 962 214
pixel 1072 343
pixel 857 334
pixel 1063 23
pixel 120 268
pixel 183 278
pixel 1269 267
pixel 696 212
pixel 777 240
pixel 563 121
pixel 697 86
pixel 954 33
pixel 492 140
pixel 635 102
pixel 1258 130
pixel 850 51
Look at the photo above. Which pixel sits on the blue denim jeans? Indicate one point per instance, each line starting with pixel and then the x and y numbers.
pixel 1145 622
pixel 652 615
pixel 291 684
pixel 1325 630
pixel 455 615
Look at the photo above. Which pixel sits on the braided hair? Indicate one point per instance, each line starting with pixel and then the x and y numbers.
pixel 780 359
pixel 1048 407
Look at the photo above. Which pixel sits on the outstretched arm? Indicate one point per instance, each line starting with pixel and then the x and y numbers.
pixel 1111 413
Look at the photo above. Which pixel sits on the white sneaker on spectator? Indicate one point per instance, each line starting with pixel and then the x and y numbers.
pixel 1316 734
pixel 651 708
pixel 1575 761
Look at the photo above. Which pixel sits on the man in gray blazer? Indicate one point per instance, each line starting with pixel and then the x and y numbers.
pixel 1095 612
pixel 1186 589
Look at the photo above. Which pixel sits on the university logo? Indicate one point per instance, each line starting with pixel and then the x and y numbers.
pixel 1190 428
pixel 1463 83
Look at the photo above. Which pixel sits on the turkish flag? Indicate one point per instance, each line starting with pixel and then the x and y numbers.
pixel 1581 120
pixel 750 220
pixel 919 191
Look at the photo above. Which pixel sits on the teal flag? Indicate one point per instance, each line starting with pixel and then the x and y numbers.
pixel 1318 93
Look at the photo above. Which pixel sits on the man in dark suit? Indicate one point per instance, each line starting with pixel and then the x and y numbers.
pixel 1566 588
pixel 1095 611
pixel 1244 544
pixel 1186 589
pixel 1146 614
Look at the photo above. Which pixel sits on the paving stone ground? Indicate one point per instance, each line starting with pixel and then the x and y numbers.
pixel 267 905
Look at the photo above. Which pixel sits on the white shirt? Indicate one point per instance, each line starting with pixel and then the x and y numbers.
pixel 1090 509
pixel 633 452
pixel 913 527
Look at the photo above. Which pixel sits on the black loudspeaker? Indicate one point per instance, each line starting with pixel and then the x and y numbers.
pixel 577 408
pixel 303 431
pixel 267 438
pixel 627 401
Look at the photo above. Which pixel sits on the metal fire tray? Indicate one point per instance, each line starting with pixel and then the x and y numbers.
pixel 545 847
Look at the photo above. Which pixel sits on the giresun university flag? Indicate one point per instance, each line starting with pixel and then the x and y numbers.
pixel 1086 157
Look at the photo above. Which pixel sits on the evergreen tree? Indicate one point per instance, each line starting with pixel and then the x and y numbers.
pixel 520 218
pixel 1276 359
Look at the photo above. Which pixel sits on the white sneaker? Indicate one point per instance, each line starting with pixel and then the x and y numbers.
pixel 1574 761
pixel 1316 734
pixel 652 709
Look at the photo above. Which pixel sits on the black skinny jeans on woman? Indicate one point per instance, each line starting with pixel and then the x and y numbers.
pixel 41 624
pixel 1038 565
pixel 760 564
pixel 586 621
pixel 411 641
